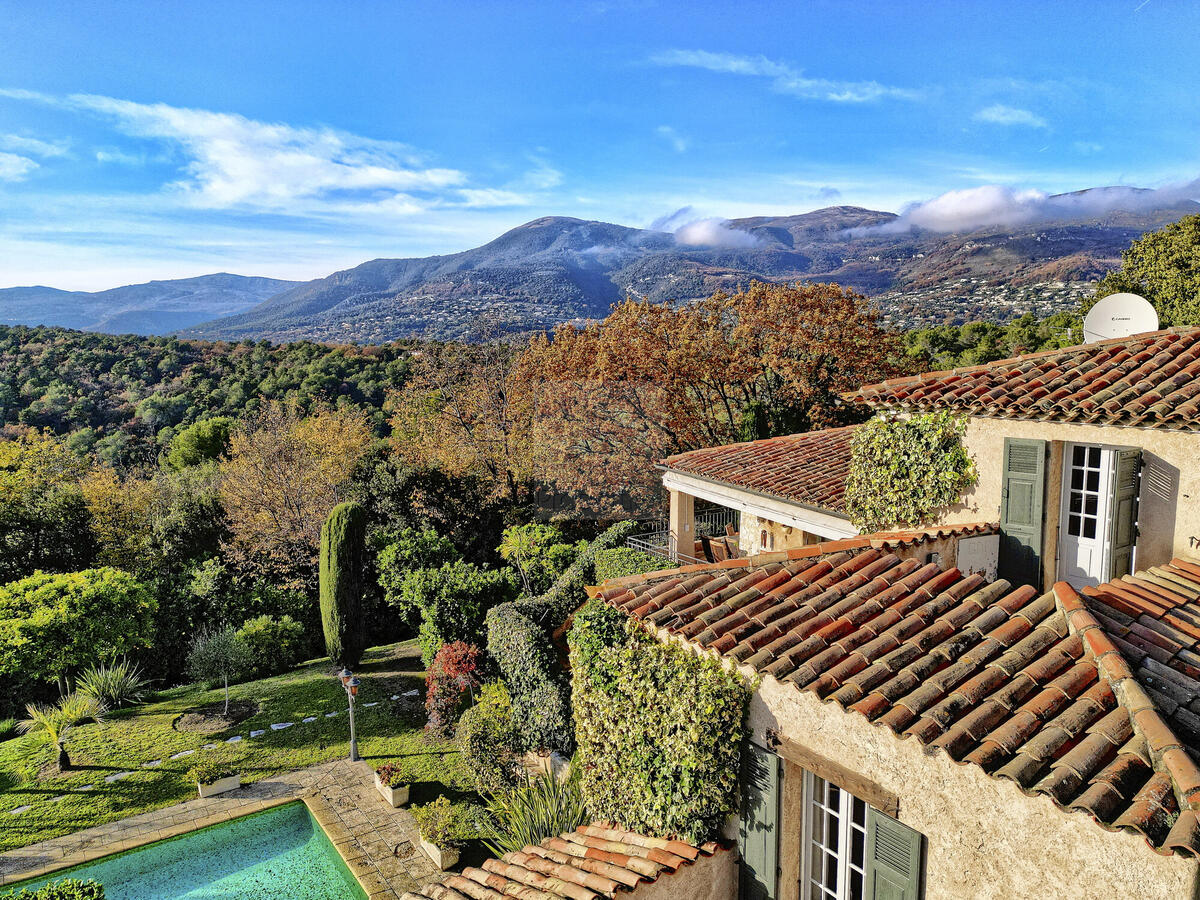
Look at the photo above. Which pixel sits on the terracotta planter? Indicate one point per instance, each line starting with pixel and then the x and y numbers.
pixel 396 796
pixel 220 786
pixel 442 858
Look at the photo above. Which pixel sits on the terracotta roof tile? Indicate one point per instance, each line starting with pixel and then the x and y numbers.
pixel 809 468
pixel 1032 688
pixel 592 862
pixel 1150 379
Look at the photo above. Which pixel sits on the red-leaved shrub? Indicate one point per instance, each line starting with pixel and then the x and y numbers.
pixel 450 684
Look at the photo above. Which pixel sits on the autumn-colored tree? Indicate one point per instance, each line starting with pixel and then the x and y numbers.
pixel 283 474
pixel 603 403
pixel 122 515
pixel 455 414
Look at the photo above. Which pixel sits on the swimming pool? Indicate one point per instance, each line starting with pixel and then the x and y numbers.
pixel 277 854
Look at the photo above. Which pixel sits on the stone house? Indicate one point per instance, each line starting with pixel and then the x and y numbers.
pixel 1086 460
pixel 919 732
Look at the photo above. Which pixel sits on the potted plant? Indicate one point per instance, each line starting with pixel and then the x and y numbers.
pixel 390 782
pixel 215 778
pixel 441 827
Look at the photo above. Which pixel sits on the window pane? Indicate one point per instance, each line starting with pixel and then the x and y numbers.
pixel 1077 479
pixel 831 871
pixel 818 826
pixel 1093 456
pixel 1076 501
pixel 1077 456
pixel 1089 504
pixel 1093 481
pixel 1073 525
pixel 857 847
pixel 1089 528
pixel 860 812
pixel 856 885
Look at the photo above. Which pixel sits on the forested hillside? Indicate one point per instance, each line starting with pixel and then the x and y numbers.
pixel 125 397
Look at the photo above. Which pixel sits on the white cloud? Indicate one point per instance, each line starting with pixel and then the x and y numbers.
pixel 14 167
pixel 784 78
pixel 542 177
pixel 999 114
pixel 32 146
pixel 693 231
pixel 481 198
pixel 1087 147
pixel 677 141
pixel 996 205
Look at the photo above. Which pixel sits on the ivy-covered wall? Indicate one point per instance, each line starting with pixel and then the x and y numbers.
pixel 659 729
pixel 620 562
pixel 904 471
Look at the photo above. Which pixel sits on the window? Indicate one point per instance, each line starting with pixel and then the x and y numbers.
pixel 1083 510
pixel 834 843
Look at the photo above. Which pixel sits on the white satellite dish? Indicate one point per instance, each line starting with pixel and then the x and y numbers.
pixel 1117 316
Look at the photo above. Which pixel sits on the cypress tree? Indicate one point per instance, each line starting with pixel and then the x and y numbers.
pixel 343 551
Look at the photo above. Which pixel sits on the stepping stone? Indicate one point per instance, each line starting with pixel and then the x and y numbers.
pixel 235 739
pixel 308 719
pixel 152 764
pixel 116 777
pixel 331 715
pixel 58 799
pixel 182 753
pixel 376 703
pixel 255 734
pixel 411 693
pixel 86 787
pixel 209 747
pixel 279 726
pixel 19 810
pixel 394 697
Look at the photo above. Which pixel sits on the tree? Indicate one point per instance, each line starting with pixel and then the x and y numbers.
pixel 121 511
pixel 604 402
pixel 43 516
pixel 285 472
pixel 410 551
pixel 205 440
pixel 343 558
pixel 52 724
pixel 218 656
pixel 453 600
pixel 51 626
pixel 1164 267
pixel 540 554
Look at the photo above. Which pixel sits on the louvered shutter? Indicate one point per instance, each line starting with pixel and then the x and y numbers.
pixel 893 859
pixel 1127 467
pixel 758 833
pixel 1022 511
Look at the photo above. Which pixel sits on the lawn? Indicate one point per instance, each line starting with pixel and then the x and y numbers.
pixel 388 732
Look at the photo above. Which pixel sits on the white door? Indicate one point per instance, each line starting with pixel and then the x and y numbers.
pixel 1083 525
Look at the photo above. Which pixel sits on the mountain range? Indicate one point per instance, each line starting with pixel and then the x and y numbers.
pixel 156 307
pixel 557 269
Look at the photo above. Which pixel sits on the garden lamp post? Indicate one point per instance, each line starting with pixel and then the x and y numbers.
pixel 350 683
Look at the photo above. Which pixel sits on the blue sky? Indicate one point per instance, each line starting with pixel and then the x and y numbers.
pixel 153 140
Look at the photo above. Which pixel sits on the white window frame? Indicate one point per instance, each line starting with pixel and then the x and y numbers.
pixel 1102 540
pixel 846 827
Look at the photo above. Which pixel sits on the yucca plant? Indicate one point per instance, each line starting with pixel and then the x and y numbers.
pixel 541 806
pixel 120 684
pixel 52 724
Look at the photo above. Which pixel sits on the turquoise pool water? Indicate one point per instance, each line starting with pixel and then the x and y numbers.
pixel 278 854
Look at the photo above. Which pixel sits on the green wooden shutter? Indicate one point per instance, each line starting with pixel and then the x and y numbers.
pixel 758 832
pixel 1123 528
pixel 1022 511
pixel 893 859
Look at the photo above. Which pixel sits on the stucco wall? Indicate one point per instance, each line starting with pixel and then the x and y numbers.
pixel 708 878
pixel 1169 513
pixel 984 838
pixel 779 537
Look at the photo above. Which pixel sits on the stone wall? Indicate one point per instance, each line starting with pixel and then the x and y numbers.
pixel 779 537
pixel 985 839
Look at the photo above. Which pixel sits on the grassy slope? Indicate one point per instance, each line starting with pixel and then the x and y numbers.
pixel 132 737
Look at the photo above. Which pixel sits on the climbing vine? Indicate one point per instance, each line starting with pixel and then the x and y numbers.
pixel 903 471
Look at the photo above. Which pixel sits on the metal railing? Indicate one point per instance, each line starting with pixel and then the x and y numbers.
pixel 660 542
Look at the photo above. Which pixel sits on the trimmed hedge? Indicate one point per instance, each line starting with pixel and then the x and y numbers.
pixel 660 730
pixel 621 562
pixel 519 641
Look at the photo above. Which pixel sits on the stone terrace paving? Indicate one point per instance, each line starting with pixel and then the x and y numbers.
pixel 378 843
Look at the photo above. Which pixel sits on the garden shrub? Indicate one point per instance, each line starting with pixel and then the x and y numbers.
pixel 120 684
pixel 66 889
pixel 442 823
pixel 408 551
pixel 518 635
pixel 660 732
pixel 275 645
pixel 903 471
pixel 487 740
pixel 621 562
pixel 209 772
pixel 453 600
pixel 540 553
pixel 450 685
pixel 391 775
pixel 540 807
pixel 596 628
pixel 342 567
